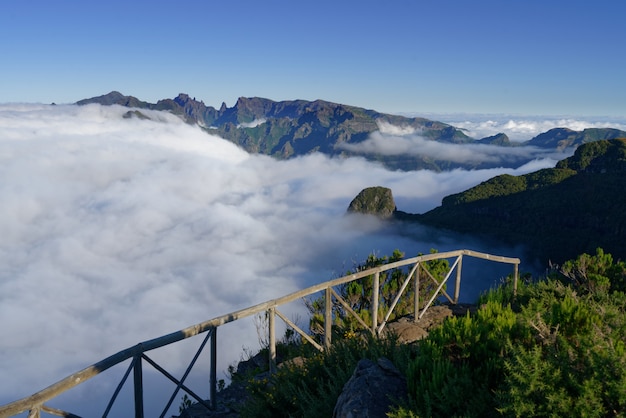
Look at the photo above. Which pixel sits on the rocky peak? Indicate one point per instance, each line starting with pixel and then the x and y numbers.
pixel 376 201
pixel 251 108
pixel 182 99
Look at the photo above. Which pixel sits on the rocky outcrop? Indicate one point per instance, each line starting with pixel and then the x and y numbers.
pixel 376 201
pixel 371 391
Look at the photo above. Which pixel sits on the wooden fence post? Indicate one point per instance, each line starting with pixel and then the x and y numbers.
pixel 138 382
pixel 417 292
pixel 457 288
pixel 272 332
pixel 375 297
pixel 328 317
pixel 515 274
pixel 213 371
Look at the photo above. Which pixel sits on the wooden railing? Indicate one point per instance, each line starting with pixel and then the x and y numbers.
pixel 35 403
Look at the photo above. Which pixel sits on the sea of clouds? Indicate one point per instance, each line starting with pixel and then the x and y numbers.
pixel 116 231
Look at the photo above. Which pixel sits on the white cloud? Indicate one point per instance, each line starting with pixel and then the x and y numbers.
pixel 117 230
pixel 403 141
pixel 252 124
pixel 390 129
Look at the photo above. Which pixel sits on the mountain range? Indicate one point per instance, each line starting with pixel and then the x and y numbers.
pixel 288 129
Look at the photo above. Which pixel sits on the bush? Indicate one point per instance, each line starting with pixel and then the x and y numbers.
pixel 311 390
pixel 574 365
pixel 460 365
pixel 558 348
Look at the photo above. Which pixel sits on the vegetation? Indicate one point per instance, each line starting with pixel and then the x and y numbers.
pixel 558 213
pixel 556 348
pixel 312 389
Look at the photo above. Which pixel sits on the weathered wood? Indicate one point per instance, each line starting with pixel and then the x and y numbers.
pixel 176 381
pixel 180 384
pixel 57 412
pixel 396 300
pixel 439 289
pixel 117 390
pixel 416 308
pixel 138 385
pixel 457 284
pixel 272 330
pixel 515 274
pixel 299 330
pixel 328 317
pixel 350 310
pixel 213 370
pixel 375 301
pixel 437 282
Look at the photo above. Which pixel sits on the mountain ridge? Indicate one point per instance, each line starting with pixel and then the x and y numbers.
pixel 292 128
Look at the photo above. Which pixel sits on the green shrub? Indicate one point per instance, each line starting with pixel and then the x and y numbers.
pixel 576 365
pixel 311 390
pixel 595 273
pixel 460 364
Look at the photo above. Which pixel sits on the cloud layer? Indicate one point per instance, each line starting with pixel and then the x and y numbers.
pixel 116 231
pixel 399 140
pixel 522 128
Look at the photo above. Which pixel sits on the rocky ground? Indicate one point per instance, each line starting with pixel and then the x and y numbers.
pixel 367 373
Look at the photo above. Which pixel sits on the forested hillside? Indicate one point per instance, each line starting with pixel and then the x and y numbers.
pixel 558 213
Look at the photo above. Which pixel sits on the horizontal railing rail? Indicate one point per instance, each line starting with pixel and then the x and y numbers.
pixel 35 403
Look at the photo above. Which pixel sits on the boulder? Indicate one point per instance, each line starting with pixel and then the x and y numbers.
pixel 371 391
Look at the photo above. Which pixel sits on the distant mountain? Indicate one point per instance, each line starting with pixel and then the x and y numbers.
pixel 293 128
pixel 288 129
pixel 498 139
pixel 561 138
pixel 558 213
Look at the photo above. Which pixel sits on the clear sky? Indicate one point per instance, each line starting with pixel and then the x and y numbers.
pixel 483 56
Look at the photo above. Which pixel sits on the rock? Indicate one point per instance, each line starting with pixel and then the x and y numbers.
pixel 371 391
pixel 408 331
pixel 376 201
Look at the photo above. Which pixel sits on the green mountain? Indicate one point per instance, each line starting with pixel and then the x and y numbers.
pixel 558 213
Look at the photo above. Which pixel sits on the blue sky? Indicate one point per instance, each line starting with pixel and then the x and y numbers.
pixel 514 57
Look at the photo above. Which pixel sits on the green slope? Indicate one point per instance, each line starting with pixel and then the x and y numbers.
pixel 559 213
